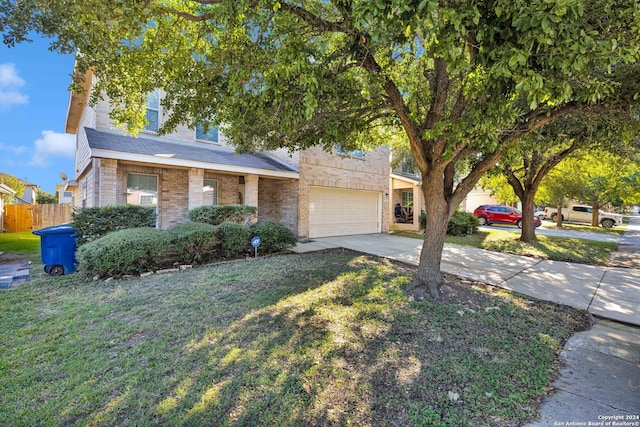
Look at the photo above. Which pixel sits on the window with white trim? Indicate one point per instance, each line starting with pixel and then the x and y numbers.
pixel 210 192
pixel 153 111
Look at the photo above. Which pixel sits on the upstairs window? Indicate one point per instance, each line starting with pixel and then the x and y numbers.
pixel 356 154
pixel 408 168
pixel 210 136
pixel 153 111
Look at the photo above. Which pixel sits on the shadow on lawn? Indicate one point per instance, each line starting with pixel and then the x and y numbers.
pixel 315 339
pixel 288 363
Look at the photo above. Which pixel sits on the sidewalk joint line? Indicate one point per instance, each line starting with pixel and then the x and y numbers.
pixel 597 288
pixel 522 271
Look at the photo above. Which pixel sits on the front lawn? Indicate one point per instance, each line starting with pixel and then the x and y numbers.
pixel 314 339
pixel 583 228
pixel 25 243
pixel 548 247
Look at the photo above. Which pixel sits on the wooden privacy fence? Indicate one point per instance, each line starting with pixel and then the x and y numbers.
pixel 34 217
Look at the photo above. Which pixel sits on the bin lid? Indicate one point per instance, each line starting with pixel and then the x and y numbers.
pixel 65 228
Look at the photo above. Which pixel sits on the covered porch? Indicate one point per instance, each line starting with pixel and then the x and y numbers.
pixel 406 203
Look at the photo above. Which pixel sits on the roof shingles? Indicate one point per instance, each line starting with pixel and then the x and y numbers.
pixel 190 151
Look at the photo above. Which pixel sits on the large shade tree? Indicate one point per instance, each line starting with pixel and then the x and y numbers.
pixel 526 164
pixel 598 178
pixel 460 81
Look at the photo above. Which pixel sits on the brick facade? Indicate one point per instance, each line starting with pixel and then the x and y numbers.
pixel 103 181
pixel 279 202
pixel 321 169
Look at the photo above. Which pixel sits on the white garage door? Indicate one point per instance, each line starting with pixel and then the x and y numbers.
pixel 336 212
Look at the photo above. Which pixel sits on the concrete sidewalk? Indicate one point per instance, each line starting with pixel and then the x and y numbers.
pixel 608 292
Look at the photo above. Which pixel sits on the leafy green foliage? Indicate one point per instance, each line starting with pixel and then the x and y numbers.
pixel 457 82
pixel 44 198
pixel 194 242
pixel 15 184
pixel 234 239
pixel 274 236
pixel 92 223
pixel 598 178
pixel 215 215
pixel 126 251
pixel 462 224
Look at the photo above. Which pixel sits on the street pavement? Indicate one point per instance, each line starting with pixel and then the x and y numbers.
pixel 599 383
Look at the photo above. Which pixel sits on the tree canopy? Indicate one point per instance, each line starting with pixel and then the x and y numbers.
pixel 459 81
pixel 15 184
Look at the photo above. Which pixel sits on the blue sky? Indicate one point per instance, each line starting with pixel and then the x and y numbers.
pixel 33 105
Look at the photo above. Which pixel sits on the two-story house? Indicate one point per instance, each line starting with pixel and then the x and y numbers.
pixel 313 192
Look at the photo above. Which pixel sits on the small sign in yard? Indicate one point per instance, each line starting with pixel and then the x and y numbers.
pixel 255 242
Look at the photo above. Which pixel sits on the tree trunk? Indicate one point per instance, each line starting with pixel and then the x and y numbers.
pixel 595 212
pixel 528 234
pixel 559 216
pixel 437 213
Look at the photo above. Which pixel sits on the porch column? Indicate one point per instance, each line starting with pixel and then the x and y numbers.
pixel 195 191
pixel 418 205
pixel 251 190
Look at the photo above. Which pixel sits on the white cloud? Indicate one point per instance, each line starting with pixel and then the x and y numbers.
pixel 52 144
pixel 9 76
pixel 14 150
pixel 10 83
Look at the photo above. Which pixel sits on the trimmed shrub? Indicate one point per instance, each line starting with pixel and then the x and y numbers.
pixel 93 223
pixel 194 242
pixel 233 238
pixel 216 215
pixel 274 236
pixel 128 251
pixel 462 223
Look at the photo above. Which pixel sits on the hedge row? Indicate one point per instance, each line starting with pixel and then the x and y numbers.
pixel 216 215
pixel 460 223
pixel 137 250
pixel 92 223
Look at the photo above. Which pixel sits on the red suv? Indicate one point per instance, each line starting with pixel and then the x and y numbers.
pixel 488 214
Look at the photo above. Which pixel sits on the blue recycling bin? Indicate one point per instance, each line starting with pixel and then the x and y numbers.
pixel 58 249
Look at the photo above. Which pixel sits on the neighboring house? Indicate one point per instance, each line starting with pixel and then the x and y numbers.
pixel 30 193
pixel 4 190
pixel 477 197
pixel 65 191
pixel 313 192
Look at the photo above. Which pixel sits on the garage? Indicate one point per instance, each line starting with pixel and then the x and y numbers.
pixel 340 212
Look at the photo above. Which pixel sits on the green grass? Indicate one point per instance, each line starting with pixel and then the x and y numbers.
pixel 25 243
pixel 618 230
pixel 316 339
pixel 548 247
